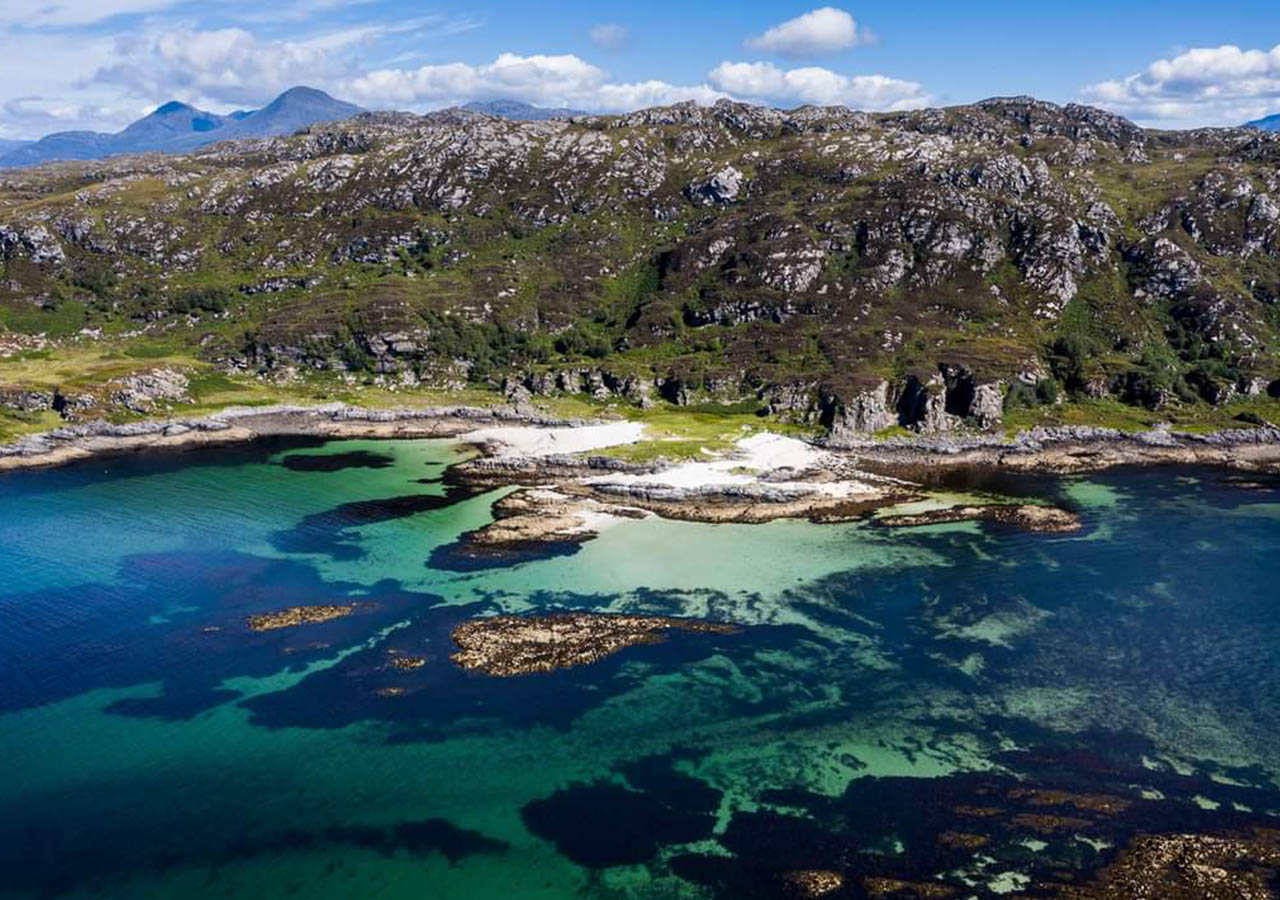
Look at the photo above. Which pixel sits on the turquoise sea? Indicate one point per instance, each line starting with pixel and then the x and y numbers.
pixel 967 704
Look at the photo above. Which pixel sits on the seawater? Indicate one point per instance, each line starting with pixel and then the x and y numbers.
pixel 153 747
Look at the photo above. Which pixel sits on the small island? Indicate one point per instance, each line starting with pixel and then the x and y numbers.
pixel 299 615
pixel 507 646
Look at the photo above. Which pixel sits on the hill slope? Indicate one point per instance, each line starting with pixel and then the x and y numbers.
pixel 921 268
pixel 520 111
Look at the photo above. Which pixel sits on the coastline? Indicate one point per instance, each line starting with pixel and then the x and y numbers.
pixel 75 443
pixel 1059 450
pixel 1075 449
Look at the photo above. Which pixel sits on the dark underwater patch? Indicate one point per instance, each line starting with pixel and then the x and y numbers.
pixel 98 636
pixel 462 556
pixel 430 702
pixel 1083 804
pixel 337 462
pixel 146 462
pixel 61 845
pixel 604 824
pixel 325 532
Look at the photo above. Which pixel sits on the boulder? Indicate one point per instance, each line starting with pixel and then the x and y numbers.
pixel 717 189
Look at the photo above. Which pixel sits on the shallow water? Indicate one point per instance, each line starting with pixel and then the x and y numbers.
pixel 885 681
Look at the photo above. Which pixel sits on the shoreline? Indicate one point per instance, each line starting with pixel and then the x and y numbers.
pixel 1059 450
pixel 1069 450
pixel 233 425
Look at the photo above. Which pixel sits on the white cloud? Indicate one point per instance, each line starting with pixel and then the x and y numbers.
pixel 568 80
pixel 610 37
pixel 817 33
pixel 564 80
pixel 47 108
pixel 60 13
pixel 811 84
pixel 1206 85
pixel 536 79
pixel 225 66
pixel 639 94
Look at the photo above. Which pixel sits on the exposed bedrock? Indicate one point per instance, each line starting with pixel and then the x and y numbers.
pixel 934 403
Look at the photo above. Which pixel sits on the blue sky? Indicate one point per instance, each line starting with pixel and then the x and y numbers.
pixel 101 63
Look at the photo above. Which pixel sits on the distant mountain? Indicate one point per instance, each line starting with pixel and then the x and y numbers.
pixel 1270 123
pixel 178 127
pixel 7 145
pixel 294 109
pixel 521 111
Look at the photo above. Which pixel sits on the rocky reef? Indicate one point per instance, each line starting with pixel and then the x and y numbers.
pixel 1190 867
pixel 508 646
pixel 294 616
pixel 1029 517
pixel 811 884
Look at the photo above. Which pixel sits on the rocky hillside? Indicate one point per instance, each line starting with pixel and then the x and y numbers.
pixel 923 268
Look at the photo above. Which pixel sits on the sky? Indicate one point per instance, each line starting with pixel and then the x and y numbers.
pixel 99 64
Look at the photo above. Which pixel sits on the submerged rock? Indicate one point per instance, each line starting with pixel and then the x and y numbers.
pixel 811 883
pixel 408 663
pixel 506 646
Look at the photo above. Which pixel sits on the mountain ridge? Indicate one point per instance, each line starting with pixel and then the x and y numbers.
pixel 1266 123
pixel 176 127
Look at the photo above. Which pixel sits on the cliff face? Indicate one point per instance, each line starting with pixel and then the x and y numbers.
pixel 922 268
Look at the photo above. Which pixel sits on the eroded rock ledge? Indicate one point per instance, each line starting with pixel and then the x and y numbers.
pixel 507 646
pixel 1030 517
